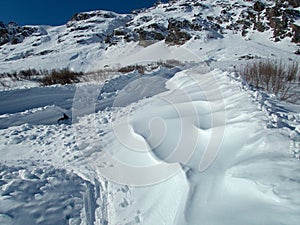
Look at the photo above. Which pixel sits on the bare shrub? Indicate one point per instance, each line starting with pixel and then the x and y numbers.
pixel 275 77
pixel 142 68
pixel 131 68
pixel 23 74
pixel 63 76
pixel 29 73
pixel 171 63
pixel 99 75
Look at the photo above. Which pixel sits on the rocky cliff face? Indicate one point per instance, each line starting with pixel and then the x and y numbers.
pixel 277 16
pixel 93 27
pixel 14 34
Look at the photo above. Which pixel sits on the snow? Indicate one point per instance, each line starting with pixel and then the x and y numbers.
pixel 184 146
pixel 37 194
pixel 80 46
pixel 196 151
pixel 135 54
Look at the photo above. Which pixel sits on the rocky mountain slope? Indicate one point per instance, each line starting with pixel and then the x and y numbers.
pixel 89 36
pixel 178 138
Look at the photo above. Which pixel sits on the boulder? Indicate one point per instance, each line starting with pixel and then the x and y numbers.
pixel 259 6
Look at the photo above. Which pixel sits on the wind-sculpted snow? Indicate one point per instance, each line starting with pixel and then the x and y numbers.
pixel 193 150
pixel 182 146
pixel 159 146
pixel 239 185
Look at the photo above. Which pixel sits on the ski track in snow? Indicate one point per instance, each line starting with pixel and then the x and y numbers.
pixel 253 176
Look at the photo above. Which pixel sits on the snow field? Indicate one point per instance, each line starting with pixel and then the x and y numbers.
pixel 186 146
pixel 193 150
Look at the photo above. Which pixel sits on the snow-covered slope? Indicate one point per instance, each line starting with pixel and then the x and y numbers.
pixel 187 144
pixel 72 45
pixel 92 40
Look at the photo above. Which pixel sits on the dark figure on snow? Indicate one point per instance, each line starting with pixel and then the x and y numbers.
pixel 65 117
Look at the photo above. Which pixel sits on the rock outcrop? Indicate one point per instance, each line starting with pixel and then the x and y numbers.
pixel 13 33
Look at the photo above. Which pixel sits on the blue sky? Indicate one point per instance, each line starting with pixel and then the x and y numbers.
pixel 58 12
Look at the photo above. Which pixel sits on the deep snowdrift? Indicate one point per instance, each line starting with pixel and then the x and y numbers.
pixel 197 151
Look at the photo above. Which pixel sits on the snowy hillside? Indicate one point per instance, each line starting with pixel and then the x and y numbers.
pixel 91 40
pixel 183 141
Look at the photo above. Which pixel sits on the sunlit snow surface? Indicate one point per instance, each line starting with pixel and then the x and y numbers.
pixel 185 146
pixel 195 150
